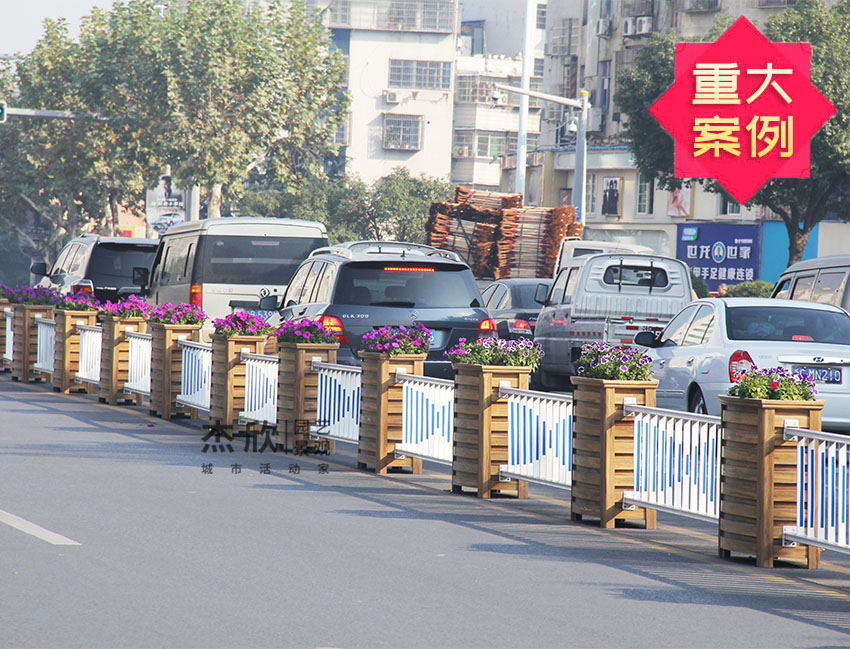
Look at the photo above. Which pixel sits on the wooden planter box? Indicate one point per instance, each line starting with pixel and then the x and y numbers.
pixel 25 348
pixel 4 367
pixel 115 358
pixel 603 449
pixel 758 477
pixel 481 428
pixel 66 360
pixel 380 410
pixel 298 392
pixel 227 389
pixel 167 365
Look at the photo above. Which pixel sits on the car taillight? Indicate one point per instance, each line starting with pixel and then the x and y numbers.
pixel 196 295
pixel 487 329
pixel 334 325
pixel 740 363
pixel 83 286
pixel 519 326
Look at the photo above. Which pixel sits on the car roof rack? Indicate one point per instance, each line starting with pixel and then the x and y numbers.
pixel 332 250
pixel 349 248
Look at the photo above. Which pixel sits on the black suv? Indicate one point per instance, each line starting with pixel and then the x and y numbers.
pixel 358 286
pixel 95 264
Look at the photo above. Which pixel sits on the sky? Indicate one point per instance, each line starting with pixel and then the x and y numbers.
pixel 20 20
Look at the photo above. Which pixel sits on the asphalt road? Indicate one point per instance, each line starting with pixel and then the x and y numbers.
pixel 171 556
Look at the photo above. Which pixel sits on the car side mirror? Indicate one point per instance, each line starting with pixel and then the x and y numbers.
pixel 541 294
pixel 141 275
pixel 269 303
pixel 646 339
pixel 39 268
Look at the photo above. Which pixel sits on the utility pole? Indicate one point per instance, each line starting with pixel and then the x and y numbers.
pixel 527 66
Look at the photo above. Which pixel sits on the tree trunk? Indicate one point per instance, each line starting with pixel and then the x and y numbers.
pixel 797 237
pixel 214 202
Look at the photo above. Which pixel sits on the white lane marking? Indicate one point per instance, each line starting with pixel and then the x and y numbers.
pixel 34 530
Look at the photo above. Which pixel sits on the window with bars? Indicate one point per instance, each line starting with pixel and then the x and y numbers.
pixel 539 65
pixel 471 89
pixel 464 139
pixel 420 74
pixel 590 194
pixel 541 16
pixel 490 144
pixel 729 207
pixel 342 131
pixel 645 192
pixel 402 132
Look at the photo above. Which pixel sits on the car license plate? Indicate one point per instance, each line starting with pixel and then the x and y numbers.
pixel 260 313
pixel 432 340
pixel 819 374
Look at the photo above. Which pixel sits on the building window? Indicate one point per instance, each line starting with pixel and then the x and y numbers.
pixel 472 89
pixel 541 16
pixel 645 192
pixel 590 193
pixel 420 74
pixel 490 144
pixel 728 207
pixel 403 132
pixel 342 131
pixel 538 67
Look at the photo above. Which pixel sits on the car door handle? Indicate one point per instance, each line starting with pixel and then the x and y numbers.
pixel 661 362
pixel 690 361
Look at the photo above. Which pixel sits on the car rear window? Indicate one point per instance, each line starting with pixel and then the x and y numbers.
pixel 523 297
pixel 250 260
pixel 787 324
pixel 406 284
pixel 112 264
pixel 635 276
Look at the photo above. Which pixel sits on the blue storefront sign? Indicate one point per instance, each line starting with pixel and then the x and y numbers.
pixel 720 253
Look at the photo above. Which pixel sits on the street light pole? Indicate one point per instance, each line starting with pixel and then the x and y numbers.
pixel 583 104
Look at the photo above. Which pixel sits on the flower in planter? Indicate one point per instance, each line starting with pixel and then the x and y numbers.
pixel 177 314
pixel 521 352
pixel 130 307
pixel 40 295
pixel 397 340
pixel 241 323
pixel 604 361
pixel 78 302
pixel 304 331
pixel 773 383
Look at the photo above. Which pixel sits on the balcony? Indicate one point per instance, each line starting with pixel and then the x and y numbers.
pixel 702 5
pixel 389 15
pixel 779 4
pixel 564 38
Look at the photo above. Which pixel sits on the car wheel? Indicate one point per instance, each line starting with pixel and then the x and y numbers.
pixel 696 403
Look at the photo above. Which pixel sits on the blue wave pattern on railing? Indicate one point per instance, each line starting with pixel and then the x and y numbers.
pixel 540 439
pixel 338 410
pixel 823 490
pixel 677 465
pixel 260 386
pixel 428 419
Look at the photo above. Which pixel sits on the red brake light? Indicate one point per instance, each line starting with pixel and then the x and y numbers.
pixel 519 326
pixel 487 329
pixel 409 269
pixel 334 325
pixel 196 295
pixel 740 363
pixel 83 286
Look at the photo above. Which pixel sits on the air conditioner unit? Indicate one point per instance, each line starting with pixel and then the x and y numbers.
pixel 603 26
pixel 594 121
pixel 392 96
pixel 629 27
pixel 643 25
pixel 461 152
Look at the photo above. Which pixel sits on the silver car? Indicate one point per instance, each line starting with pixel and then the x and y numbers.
pixel 711 341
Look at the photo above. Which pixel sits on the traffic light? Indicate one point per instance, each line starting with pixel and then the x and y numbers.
pixel 2 112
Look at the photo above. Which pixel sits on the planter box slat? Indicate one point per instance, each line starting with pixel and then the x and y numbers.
pixel 25 342
pixel 227 381
pixel 114 358
pixel 166 366
pixel 66 350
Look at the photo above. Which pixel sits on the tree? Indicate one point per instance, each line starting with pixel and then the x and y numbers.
pixel 800 203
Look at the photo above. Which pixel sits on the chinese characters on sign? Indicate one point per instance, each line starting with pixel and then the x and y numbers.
pixel 720 253
pixel 742 110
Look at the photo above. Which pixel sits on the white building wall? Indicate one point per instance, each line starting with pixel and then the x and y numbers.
pixel 503 27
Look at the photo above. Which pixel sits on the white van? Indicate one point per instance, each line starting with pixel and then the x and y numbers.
pixel 572 247
pixel 228 264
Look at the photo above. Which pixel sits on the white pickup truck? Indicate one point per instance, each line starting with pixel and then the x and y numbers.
pixel 606 297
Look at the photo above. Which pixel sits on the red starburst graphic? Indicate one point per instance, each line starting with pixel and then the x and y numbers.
pixel 742 110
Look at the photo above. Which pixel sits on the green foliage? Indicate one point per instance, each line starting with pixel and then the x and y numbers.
pixel 757 288
pixel 773 383
pixel 699 285
pixel 603 361
pixel 520 352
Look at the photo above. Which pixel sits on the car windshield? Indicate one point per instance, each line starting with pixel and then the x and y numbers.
pixel 251 260
pixel 787 324
pixel 112 263
pixel 523 296
pixel 406 284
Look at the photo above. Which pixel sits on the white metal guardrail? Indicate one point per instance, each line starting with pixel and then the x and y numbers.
pixel 427 417
pixel 676 462
pixel 540 437
pixel 338 411
pixel 195 375
pixel 139 371
pixel 46 333
pixel 10 334
pixel 260 389
pixel 823 490
pixel 91 343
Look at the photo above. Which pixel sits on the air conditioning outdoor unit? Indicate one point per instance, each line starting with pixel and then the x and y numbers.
pixel 643 25
pixel 629 27
pixel 392 96
pixel 603 26
pixel 461 152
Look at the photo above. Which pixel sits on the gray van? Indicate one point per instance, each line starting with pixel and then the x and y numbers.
pixel 228 264
pixel 821 280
